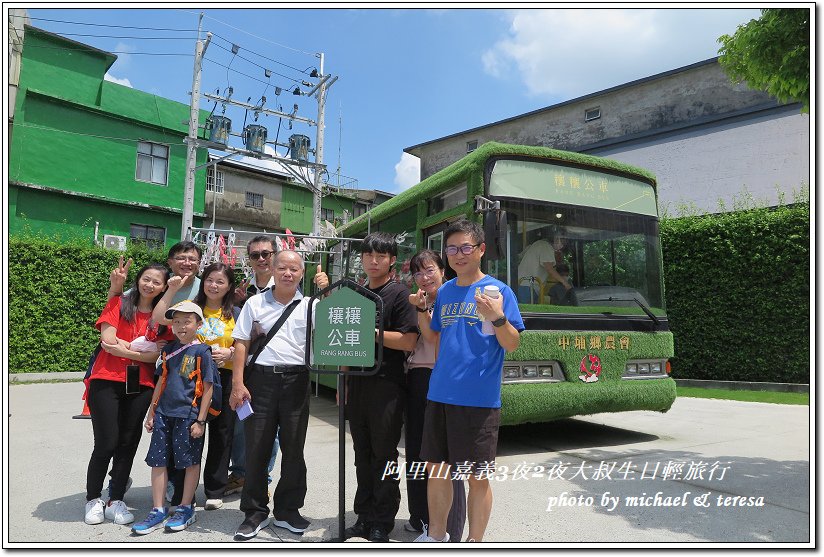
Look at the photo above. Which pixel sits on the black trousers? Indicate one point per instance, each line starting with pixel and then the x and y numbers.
pixel 417 387
pixel 221 432
pixel 279 400
pixel 117 422
pixel 375 413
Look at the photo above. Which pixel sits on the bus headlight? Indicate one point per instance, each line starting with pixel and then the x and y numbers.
pixel 512 372
pixel 643 369
pixel 655 368
pixel 530 371
pixel 545 371
pixel 632 369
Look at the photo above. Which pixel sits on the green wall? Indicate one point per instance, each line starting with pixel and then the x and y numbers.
pixel 77 133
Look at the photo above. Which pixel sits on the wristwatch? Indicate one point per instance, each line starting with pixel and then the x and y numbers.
pixel 424 310
pixel 500 322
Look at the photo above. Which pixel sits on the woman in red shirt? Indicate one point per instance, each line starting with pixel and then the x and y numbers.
pixel 118 407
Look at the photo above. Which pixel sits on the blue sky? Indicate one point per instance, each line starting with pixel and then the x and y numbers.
pixel 406 75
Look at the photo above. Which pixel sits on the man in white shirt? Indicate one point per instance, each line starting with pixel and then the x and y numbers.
pixel 277 387
pixel 539 260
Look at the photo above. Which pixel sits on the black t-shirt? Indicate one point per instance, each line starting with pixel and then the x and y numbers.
pixel 398 315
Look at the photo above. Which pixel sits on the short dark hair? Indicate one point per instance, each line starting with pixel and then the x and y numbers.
pixel 262 238
pixel 184 246
pixel 380 242
pixel 419 260
pixel 464 226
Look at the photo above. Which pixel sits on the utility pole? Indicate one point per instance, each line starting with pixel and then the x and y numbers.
pixel 316 197
pixel 191 152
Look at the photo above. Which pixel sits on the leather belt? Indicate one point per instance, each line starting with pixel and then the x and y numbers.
pixel 281 368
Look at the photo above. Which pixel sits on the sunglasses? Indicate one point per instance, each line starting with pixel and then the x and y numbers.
pixel 465 249
pixel 255 255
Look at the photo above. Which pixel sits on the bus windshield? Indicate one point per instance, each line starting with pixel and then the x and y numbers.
pixel 568 250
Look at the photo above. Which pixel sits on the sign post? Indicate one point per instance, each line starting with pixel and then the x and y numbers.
pixel 345 333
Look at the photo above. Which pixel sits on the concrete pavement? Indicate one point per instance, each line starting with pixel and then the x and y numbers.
pixel 603 479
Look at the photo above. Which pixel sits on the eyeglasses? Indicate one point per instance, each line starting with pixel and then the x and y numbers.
pixel 426 273
pixel 255 255
pixel 183 259
pixel 465 249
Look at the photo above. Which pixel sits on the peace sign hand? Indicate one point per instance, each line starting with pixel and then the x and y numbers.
pixel 118 276
pixel 418 299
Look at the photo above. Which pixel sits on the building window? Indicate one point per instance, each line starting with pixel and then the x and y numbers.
pixel 359 209
pixel 471 146
pixel 214 180
pixel 152 236
pixel 152 163
pixel 327 214
pixel 448 200
pixel 254 200
pixel 592 113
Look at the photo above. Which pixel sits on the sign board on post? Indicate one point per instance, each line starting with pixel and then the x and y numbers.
pixel 344 330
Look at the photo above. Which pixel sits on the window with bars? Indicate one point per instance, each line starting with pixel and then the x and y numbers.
pixel 327 214
pixel 152 236
pixel 214 180
pixel 152 163
pixel 359 209
pixel 254 200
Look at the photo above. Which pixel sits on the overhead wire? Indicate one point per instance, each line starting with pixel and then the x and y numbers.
pixel 107 25
pixel 264 57
pixel 259 38
pixel 258 65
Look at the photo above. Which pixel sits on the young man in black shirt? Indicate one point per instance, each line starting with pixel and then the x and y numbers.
pixel 375 404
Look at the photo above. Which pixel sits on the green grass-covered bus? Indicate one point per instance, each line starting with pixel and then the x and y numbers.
pixel 601 346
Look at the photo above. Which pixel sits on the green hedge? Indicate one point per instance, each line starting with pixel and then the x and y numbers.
pixel 57 289
pixel 738 294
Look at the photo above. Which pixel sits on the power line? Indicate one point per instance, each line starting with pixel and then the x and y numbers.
pixel 91 48
pixel 106 25
pixel 128 37
pixel 176 144
pixel 243 74
pixel 261 55
pixel 260 38
pixel 258 65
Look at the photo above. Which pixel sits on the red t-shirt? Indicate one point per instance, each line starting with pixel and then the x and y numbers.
pixel 113 368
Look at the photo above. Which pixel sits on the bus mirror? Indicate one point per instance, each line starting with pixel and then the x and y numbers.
pixel 495 234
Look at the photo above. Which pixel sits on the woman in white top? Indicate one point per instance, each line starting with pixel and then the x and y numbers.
pixel 427 269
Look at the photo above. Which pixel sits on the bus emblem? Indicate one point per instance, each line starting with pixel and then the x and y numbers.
pixel 590 368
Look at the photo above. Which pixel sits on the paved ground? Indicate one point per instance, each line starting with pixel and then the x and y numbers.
pixel 723 448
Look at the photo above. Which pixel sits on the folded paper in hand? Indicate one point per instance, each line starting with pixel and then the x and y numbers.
pixel 140 344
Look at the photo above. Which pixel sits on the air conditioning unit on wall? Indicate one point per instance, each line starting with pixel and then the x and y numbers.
pixel 110 241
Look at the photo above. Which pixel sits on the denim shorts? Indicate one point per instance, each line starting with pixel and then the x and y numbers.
pixel 172 443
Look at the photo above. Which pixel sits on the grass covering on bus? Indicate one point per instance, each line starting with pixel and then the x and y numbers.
pixel 473 163
pixel 540 402
pixel 617 310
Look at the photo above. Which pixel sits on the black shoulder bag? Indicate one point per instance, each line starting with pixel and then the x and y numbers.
pixel 258 344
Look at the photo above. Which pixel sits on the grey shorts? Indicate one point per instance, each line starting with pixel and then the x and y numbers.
pixel 465 437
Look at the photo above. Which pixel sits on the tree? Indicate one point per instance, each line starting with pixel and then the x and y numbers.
pixel 772 53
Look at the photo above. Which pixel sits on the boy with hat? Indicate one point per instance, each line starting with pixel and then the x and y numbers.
pixel 177 417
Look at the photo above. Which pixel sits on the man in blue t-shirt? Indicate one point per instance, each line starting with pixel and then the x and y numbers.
pixel 463 412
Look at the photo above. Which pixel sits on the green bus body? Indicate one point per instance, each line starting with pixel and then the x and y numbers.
pixel 606 212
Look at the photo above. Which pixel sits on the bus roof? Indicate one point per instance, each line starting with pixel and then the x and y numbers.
pixel 475 161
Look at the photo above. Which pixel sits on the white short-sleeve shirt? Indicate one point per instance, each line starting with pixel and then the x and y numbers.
pixel 288 346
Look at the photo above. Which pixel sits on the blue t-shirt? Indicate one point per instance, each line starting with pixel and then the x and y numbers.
pixel 469 363
pixel 176 400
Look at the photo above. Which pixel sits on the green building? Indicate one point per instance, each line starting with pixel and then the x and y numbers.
pixel 92 158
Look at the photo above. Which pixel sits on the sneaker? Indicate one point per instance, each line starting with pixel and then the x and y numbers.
pixel 156 519
pixel 249 529
pixel 359 530
pixel 293 522
pixel 425 537
pixel 94 511
pixel 213 504
pixel 109 487
pixel 183 517
pixel 234 485
pixel 116 511
pixel 409 526
pixel 378 534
